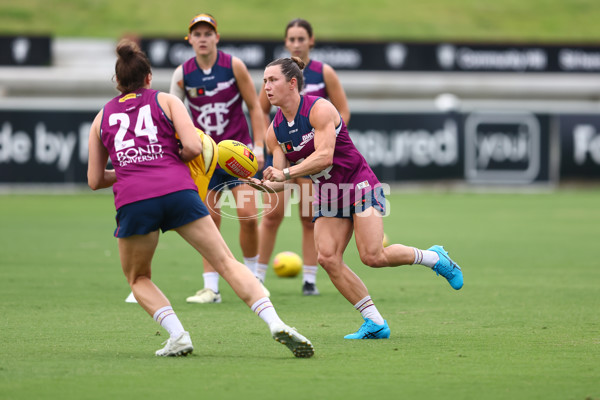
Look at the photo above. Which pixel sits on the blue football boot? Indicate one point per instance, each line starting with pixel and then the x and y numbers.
pixel 447 268
pixel 370 330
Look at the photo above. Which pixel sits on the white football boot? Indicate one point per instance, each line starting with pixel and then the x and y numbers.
pixel 204 296
pixel 298 344
pixel 179 346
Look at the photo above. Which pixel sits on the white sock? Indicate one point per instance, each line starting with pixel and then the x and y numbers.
pixel 368 310
pixel 167 318
pixel 264 309
pixel 211 281
pixel 261 271
pixel 250 262
pixel 309 273
pixel 427 258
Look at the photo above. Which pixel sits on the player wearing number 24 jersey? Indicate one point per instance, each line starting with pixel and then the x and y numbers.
pixel 140 142
pixel 154 191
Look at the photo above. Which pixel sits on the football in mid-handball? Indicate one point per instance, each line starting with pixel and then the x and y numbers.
pixel 237 159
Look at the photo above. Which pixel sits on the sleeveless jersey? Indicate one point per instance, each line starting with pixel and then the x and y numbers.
pixel 215 100
pixel 347 179
pixel 314 84
pixel 141 143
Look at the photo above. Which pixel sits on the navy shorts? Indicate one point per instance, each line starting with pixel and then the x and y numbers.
pixel 374 198
pixel 221 180
pixel 165 212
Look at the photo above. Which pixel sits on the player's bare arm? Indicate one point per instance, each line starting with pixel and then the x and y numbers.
pixel 98 176
pixel 336 92
pixel 323 118
pixel 176 110
pixel 176 87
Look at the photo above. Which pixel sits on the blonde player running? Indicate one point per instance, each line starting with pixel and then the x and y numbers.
pixel 215 86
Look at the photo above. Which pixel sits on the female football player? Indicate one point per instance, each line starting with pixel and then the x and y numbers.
pixel 154 190
pixel 216 85
pixel 309 137
pixel 321 80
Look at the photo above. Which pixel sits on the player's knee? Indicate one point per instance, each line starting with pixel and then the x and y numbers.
pixel 272 220
pixel 373 259
pixel 329 261
pixel 226 267
pixel 133 278
pixel 248 225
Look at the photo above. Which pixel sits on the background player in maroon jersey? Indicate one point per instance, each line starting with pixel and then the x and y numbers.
pixel 216 85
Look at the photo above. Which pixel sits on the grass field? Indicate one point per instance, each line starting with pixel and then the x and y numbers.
pixel 525 325
pixel 501 20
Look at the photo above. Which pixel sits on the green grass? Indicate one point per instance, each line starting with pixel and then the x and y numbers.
pixel 501 20
pixel 525 326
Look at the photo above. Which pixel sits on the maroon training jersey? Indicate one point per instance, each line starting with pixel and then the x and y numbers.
pixel 141 143
pixel 347 179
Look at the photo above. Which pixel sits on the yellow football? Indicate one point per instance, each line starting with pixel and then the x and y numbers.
pixel 237 159
pixel 287 264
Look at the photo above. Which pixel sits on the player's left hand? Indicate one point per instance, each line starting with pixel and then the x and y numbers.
pixel 258 184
